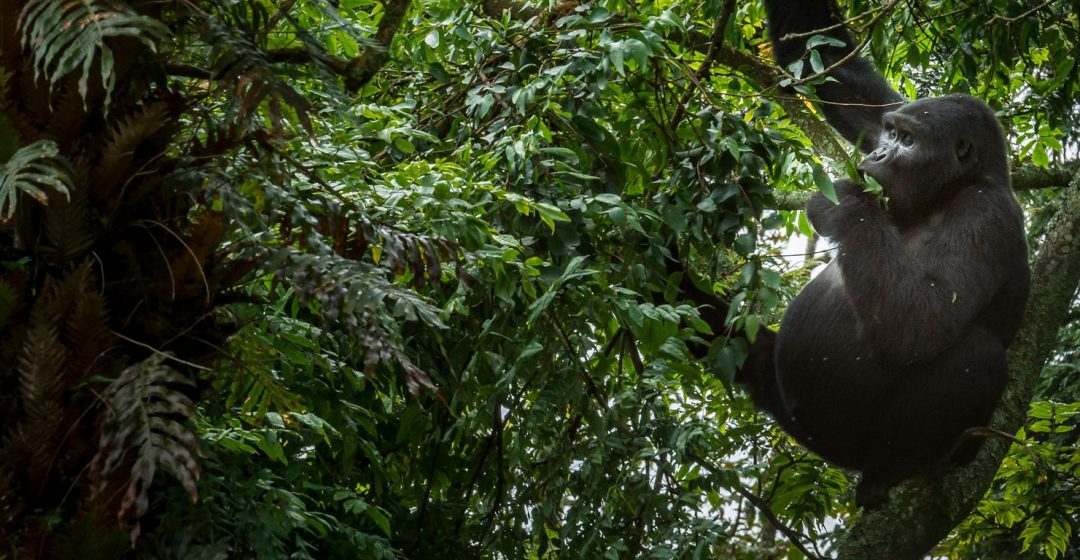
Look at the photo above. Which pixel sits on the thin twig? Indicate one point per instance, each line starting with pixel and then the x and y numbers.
pixel 161 353
pixel 590 385
pixel 854 51
pixel 1023 15
pixel 839 24
pixel 190 251
pixel 703 71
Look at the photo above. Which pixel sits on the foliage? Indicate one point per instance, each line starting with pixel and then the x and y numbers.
pixel 30 171
pixel 446 306
pixel 67 36
pixel 1031 511
pixel 148 411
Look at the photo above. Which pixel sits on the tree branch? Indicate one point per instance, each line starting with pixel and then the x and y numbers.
pixel 1029 178
pixel 364 67
pixel 715 42
pixel 1026 178
pixel 357 71
pixel 766 76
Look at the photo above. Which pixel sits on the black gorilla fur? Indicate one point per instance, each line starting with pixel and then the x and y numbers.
pixel 898 346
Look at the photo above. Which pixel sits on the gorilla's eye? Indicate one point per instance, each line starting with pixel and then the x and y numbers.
pixel 906 139
pixel 890 133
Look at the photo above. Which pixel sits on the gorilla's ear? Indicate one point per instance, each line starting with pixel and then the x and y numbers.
pixel 963 149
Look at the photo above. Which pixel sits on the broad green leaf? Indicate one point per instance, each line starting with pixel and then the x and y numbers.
pixel 824 184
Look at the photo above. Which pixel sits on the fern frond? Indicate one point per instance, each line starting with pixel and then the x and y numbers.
pixel 31 170
pixel 67 226
pixel 85 330
pixel 41 373
pixel 65 35
pixel 148 415
pixel 124 139
pixel 358 296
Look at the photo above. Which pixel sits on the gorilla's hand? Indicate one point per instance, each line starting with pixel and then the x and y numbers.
pixel 832 220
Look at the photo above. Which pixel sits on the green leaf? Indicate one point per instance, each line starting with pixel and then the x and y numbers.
pixel 379 517
pixel 872 185
pixel 598 136
pixel 815 62
pixel 1040 157
pixel 803 224
pixel 796 68
pixel 608 198
pixel 751 325
pixel 615 55
pixel 825 184
pixel 432 39
pixel 542 303
pixel 404 145
pixel 550 214
pixel 819 40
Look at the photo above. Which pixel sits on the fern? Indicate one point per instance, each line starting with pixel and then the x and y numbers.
pixel 65 35
pixel 148 414
pixel 85 328
pixel 67 227
pixel 30 170
pixel 124 138
pixel 41 373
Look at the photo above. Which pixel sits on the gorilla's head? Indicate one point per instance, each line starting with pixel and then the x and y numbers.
pixel 934 147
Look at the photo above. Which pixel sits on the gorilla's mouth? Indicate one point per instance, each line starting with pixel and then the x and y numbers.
pixel 872 183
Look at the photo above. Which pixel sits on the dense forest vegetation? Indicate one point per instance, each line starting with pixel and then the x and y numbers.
pixel 357 279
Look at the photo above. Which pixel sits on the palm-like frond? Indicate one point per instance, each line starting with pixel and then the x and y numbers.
pixel 31 170
pixel 148 414
pixel 65 35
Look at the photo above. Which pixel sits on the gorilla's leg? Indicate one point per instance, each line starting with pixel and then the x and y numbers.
pixel 929 408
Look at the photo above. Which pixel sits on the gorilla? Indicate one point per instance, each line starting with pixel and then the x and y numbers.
pixel 893 351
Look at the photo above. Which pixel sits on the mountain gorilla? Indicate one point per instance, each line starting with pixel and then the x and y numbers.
pixel 898 346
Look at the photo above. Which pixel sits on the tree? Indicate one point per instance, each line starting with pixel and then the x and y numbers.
pixel 417 279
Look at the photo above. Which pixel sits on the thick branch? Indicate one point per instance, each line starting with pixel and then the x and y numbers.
pixel 1023 179
pixel 923 511
pixel 1031 178
pixel 364 67
pixel 765 75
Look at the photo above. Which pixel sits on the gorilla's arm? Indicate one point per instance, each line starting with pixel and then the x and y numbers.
pixel 912 306
pixel 853 104
pixel 827 216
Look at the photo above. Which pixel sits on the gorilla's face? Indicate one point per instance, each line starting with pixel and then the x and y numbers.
pixel 933 146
